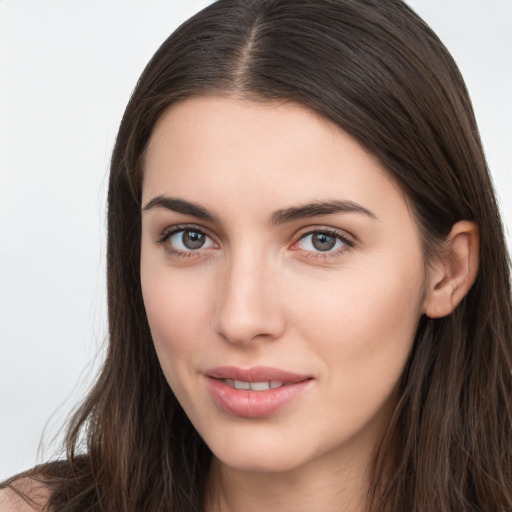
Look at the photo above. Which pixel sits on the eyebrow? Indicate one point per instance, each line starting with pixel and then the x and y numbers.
pixel 282 216
pixel 180 206
pixel 318 208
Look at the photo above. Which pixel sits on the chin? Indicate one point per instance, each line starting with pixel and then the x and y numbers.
pixel 261 453
pixel 258 461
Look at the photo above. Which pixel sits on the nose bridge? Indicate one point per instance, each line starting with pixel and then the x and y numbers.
pixel 248 304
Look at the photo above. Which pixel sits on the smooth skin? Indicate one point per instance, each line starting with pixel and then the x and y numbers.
pixel 335 294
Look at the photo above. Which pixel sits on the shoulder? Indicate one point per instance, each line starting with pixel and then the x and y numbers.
pixel 25 495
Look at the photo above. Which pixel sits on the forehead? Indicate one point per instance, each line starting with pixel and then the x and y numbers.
pixel 217 150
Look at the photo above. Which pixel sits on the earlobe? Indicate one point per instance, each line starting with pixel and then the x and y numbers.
pixel 454 272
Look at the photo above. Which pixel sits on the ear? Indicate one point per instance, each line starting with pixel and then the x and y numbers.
pixel 454 272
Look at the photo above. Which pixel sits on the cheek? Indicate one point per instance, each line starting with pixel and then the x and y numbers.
pixel 383 310
pixel 178 310
pixel 362 329
pixel 363 323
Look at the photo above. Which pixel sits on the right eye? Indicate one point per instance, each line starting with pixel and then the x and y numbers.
pixel 186 240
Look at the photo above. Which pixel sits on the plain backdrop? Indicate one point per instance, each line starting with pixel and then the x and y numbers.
pixel 67 68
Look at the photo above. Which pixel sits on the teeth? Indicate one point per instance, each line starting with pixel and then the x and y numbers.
pixel 240 384
pixel 260 386
pixel 254 386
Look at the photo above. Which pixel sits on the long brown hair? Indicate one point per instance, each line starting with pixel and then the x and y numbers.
pixel 378 71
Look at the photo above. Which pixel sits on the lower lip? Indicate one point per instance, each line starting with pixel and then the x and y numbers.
pixel 253 404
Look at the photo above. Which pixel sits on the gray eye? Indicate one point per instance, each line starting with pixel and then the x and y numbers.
pixel 187 240
pixel 323 241
pixel 193 239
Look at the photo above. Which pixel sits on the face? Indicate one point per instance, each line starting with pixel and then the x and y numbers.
pixel 283 278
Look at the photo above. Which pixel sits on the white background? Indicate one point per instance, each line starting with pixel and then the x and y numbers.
pixel 67 68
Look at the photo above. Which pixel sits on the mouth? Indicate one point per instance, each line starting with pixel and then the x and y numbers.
pixel 254 392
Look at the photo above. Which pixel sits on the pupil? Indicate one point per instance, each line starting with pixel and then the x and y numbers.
pixel 323 242
pixel 193 239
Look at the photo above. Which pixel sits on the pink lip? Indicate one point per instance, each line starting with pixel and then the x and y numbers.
pixel 254 404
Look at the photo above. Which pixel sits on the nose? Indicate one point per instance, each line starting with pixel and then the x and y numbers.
pixel 249 304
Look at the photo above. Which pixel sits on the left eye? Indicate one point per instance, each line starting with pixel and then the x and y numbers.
pixel 187 240
pixel 321 242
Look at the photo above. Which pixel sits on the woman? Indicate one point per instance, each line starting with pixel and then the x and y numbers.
pixel 309 291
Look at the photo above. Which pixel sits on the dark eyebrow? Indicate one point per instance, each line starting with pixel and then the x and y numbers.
pixel 278 217
pixel 318 208
pixel 180 206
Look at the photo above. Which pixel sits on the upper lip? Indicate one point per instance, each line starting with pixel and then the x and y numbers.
pixel 256 374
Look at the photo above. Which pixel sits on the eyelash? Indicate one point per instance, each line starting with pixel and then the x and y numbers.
pixel 167 234
pixel 324 255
